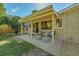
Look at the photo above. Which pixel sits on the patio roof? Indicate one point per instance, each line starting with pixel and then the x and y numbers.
pixel 27 18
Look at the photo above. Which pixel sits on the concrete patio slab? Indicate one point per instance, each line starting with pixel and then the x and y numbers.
pixel 48 47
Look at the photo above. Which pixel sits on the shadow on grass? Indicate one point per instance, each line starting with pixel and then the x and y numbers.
pixel 14 47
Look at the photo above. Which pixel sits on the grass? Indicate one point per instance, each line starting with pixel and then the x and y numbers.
pixel 13 47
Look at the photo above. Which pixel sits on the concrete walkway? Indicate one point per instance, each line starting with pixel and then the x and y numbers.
pixel 48 47
pixel 37 52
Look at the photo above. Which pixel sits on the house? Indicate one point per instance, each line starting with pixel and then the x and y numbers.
pixel 70 29
pixel 43 20
pixel 59 28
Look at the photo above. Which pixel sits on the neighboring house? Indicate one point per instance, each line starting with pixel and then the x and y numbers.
pixel 61 27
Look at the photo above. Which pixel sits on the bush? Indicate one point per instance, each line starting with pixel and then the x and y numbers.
pixel 5 29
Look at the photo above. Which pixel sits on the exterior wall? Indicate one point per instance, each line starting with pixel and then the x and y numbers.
pixel 71 26
pixel 57 38
pixel 70 43
pixel 70 49
pixel 58 41
pixel 66 39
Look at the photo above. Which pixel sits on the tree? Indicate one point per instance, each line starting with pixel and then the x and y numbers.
pixel 15 24
pixel 4 20
pixel 2 10
pixel 11 21
pixel 33 11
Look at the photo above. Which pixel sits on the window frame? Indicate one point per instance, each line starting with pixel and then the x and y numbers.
pixel 57 25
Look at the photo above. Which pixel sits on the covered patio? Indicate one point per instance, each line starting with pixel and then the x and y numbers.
pixel 48 47
pixel 41 23
pixel 40 27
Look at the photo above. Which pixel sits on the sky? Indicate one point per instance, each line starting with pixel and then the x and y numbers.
pixel 24 9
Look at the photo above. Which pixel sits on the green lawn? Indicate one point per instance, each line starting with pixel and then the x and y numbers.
pixel 13 47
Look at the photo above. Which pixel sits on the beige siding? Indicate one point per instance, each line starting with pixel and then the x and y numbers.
pixel 58 41
pixel 70 48
pixel 70 45
pixel 71 26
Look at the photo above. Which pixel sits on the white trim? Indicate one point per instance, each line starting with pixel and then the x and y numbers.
pixel 55 12
pixel 71 6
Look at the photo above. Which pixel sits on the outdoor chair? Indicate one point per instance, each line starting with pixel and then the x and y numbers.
pixel 47 37
pixel 40 35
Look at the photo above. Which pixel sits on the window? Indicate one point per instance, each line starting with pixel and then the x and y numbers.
pixel 43 25
pixel 46 25
pixel 29 25
pixel 49 24
pixel 59 22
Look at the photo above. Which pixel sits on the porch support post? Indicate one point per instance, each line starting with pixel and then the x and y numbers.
pixel 39 25
pixel 53 27
pixel 31 29
pixel 21 28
